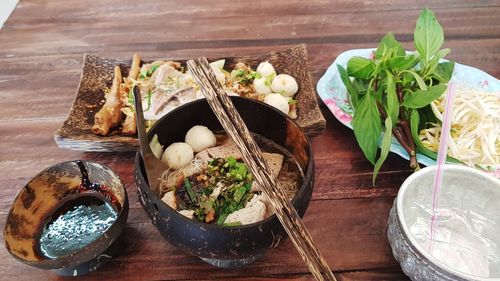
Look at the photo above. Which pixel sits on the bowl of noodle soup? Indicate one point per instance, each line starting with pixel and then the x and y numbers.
pixel 221 244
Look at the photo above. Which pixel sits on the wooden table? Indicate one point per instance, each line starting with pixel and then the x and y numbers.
pixel 41 50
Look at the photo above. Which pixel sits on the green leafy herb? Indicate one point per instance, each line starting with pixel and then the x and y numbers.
pixel 386 145
pixel 269 79
pixel 367 127
pixel 395 87
pixel 210 206
pixel 388 42
pixel 360 67
pixel 348 84
pixel 444 71
pixel 148 99
pixel 420 81
pixel 244 76
pixel 236 223
pixel 428 36
pixel 131 96
pixel 422 98
pixel 189 190
pixel 400 63
pixel 415 124
pixel 146 74
pixel 392 99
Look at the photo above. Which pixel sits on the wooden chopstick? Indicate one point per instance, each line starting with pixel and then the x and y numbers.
pixel 252 155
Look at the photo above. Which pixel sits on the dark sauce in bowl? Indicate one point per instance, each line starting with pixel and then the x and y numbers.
pixel 85 220
pixel 81 220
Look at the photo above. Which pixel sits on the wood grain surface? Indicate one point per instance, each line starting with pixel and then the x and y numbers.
pixel 41 50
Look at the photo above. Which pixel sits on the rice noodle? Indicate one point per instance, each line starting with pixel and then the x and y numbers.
pixel 170 177
pixel 475 130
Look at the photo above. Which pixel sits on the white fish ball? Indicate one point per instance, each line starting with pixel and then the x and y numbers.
pixel 178 155
pixel 265 69
pixel 285 85
pixel 261 87
pixel 278 101
pixel 200 138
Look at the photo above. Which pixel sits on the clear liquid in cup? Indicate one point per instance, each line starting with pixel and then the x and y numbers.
pixel 467 233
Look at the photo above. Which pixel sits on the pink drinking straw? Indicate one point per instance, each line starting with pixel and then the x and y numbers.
pixel 441 158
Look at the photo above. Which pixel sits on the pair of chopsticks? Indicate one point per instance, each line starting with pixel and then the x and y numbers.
pixel 234 125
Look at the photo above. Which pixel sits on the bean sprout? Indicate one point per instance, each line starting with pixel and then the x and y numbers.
pixel 475 130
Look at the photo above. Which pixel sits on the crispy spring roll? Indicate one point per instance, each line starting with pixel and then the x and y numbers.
pixel 135 68
pixel 129 124
pixel 110 113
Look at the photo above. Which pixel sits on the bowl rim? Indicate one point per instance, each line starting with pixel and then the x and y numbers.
pixel 310 169
pixel 406 231
pixel 64 261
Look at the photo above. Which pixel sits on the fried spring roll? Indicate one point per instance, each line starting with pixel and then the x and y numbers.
pixel 110 114
pixel 135 68
pixel 129 124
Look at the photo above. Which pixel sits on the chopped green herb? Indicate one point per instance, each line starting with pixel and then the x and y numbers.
pixel 131 96
pixel 189 190
pixel 222 218
pixel 148 99
pixel 244 77
pixel 269 79
pixel 149 72
pixel 235 223
pixel 240 193
pixel 238 73
pixel 199 190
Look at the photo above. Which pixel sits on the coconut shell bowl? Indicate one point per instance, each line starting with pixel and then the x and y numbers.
pixel 226 246
pixel 67 217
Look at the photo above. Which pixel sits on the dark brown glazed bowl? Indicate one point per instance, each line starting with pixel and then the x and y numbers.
pixel 218 245
pixel 38 201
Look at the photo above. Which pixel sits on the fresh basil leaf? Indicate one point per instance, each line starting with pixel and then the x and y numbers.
pixel 426 116
pixel 360 67
pixel 392 98
pixel 414 128
pixel 441 54
pixel 433 63
pixel 422 98
pixel 407 79
pixel 414 123
pixel 353 93
pixel 354 100
pixel 367 126
pixel 381 50
pixel 384 148
pixel 428 36
pixel 379 67
pixel 346 80
pixel 360 86
pixel 418 78
pixel 390 43
pixel 403 62
pixel 444 71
